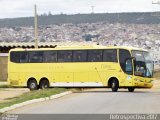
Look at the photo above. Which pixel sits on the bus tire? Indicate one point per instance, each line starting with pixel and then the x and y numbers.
pixel 44 84
pixel 32 84
pixel 114 85
pixel 131 89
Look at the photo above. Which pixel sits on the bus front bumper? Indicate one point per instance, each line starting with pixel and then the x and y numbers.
pixel 143 85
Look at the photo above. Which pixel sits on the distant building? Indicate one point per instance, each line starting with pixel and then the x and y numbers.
pixel 3 66
pixel 156 58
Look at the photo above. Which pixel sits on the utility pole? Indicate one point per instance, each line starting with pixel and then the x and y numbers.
pixel 35 27
pixel 92 7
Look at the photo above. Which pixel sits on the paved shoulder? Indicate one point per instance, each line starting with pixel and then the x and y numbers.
pixel 99 101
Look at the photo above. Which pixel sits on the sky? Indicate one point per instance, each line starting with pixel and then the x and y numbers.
pixel 23 8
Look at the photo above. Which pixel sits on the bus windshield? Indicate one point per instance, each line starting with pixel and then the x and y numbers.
pixel 143 64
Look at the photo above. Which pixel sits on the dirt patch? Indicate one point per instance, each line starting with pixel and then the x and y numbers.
pixel 7 93
pixel 156 84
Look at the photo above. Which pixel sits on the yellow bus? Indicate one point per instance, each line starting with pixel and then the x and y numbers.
pixel 84 66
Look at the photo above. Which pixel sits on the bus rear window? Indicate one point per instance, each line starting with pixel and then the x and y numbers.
pixel 14 57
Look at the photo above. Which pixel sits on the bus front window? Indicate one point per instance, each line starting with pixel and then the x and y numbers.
pixel 143 64
pixel 149 64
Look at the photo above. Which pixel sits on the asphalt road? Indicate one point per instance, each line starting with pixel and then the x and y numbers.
pixel 98 101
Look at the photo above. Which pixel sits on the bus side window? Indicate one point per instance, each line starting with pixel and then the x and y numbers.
pixel 50 56
pixel 35 56
pixel 79 56
pixel 23 57
pixel 110 55
pixel 94 55
pixel 65 56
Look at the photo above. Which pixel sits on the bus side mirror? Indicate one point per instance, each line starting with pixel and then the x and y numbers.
pixel 133 58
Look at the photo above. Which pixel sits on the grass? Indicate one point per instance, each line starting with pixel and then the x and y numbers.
pixel 157 74
pixel 31 95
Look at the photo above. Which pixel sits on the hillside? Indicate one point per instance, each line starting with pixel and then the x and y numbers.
pixel 135 18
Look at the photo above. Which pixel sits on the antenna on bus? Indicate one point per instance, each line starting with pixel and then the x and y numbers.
pixel 35 26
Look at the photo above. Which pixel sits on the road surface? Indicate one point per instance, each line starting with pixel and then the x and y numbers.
pixel 98 101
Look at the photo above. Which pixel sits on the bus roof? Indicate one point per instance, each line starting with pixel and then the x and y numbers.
pixel 80 48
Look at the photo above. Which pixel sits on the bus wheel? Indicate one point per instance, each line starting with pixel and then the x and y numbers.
pixel 114 85
pixel 131 89
pixel 32 85
pixel 44 84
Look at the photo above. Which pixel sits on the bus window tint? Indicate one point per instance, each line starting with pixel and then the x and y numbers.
pixel 35 56
pixel 110 56
pixel 64 56
pixel 80 56
pixel 14 57
pixel 123 56
pixel 50 56
pixel 23 57
pixel 94 55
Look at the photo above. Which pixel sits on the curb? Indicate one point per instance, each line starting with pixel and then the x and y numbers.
pixel 3 83
pixel 34 101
